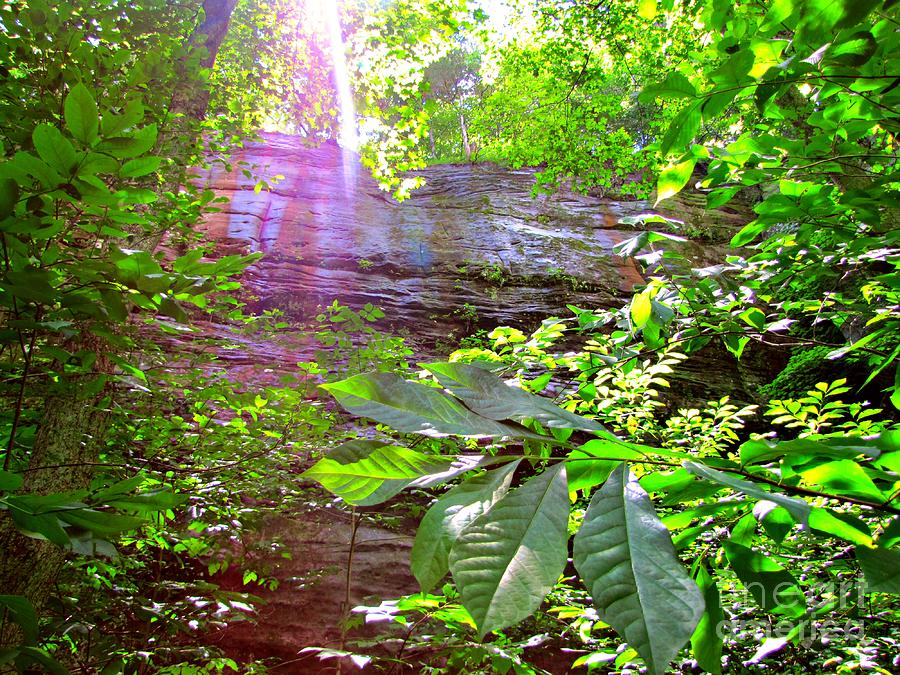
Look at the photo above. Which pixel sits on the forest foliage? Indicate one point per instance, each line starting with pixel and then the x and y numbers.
pixel 571 507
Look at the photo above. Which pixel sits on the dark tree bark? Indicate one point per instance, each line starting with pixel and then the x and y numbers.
pixel 217 17
pixel 210 34
pixel 66 448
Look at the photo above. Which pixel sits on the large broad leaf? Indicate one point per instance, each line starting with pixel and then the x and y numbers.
pixel 370 472
pixel 625 555
pixel 506 560
pixel 491 397
pixel 54 148
pixel 762 450
pixel 81 115
pixel 634 245
pixel 881 567
pixel 843 525
pixel 706 642
pixel 590 464
pixel 459 464
pixel 19 610
pixel 773 588
pixel 674 178
pixel 411 407
pixel 844 477
pixel 682 129
pixel 797 507
pixel 446 519
pixel 675 85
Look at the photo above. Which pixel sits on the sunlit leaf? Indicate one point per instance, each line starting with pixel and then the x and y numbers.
pixel 506 560
pixel 840 525
pixel 489 396
pixel 430 557
pixel 412 407
pixel 844 477
pixel 641 308
pixel 797 507
pixel 673 179
pixel 370 472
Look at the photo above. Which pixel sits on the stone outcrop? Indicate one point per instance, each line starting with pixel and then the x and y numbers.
pixel 471 247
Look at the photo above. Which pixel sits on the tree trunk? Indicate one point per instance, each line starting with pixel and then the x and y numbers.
pixel 211 33
pixel 467 149
pixel 66 447
pixel 214 27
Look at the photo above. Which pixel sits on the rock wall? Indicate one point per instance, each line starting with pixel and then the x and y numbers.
pixel 471 247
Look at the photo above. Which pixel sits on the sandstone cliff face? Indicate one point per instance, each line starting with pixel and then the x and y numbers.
pixel 473 238
pixel 472 249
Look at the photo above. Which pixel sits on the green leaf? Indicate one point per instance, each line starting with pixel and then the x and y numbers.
pixel 9 195
pixel 54 148
pixel 749 232
pixel 881 566
pixel 132 115
pixel 797 507
pixel 641 308
pixel 855 51
pixel 489 396
pixel 101 522
pixel 36 168
pixel 21 612
pixel 706 642
pixel 754 317
pixel 9 481
pixel 439 529
pixel 773 588
pixel 895 394
pixel 673 179
pixel 39 525
pixel 634 245
pixel 625 555
pixel 675 85
pixel 776 520
pixel 591 463
pixel 126 147
pixel 149 502
pixel 682 130
pixel 29 655
pixel 370 472
pixel 506 560
pixel 411 407
pixel 840 525
pixel 81 115
pixel 844 477
pixel 647 9
pixel 890 536
pixel 142 166
pixel 735 344
pixel 762 450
